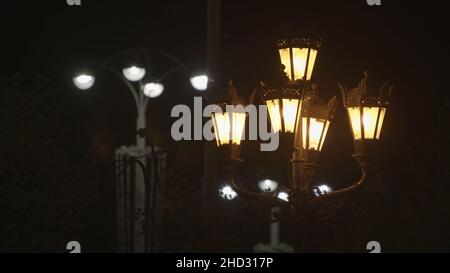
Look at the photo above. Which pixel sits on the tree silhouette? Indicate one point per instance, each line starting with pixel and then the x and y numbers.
pixel 44 191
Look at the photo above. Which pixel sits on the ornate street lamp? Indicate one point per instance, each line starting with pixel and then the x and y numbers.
pixel 366 114
pixel 298 57
pixel 283 107
pixel 295 108
pixel 316 117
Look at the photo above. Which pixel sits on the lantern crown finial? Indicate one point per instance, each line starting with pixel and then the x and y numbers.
pixel 358 95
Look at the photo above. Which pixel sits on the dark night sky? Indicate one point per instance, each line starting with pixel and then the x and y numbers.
pixel 402 42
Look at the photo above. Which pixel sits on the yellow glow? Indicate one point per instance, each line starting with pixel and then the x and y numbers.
pixel 299 55
pixel 370 115
pixel 290 107
pixel 273 106
pixel 226 129
pixel 238 127
pixel 312 60
pixel 316 126
pixel 324 135
pixel 380 122
pixel 222 128
pixel 355 117
pixel 216 135
pixel 286 61
pixel 304 132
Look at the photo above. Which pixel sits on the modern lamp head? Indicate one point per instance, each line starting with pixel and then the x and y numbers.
pixel 298 56
pixel 366 114
pixel 199 82
pixel 153 89
pixel 84 81
pixel 134 73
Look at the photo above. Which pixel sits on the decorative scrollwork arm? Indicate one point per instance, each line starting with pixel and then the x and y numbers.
pixel 343 193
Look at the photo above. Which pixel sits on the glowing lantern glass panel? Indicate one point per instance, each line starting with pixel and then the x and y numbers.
pixel 290 108
pixel 228 129
pixel 283 115
pixel 299 65
pixel 314 133
pixel 273 106
pixel 372 121
pixel 380 122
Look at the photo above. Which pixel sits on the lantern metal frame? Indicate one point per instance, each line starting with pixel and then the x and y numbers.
pixel 230 150
pixel 291 92
pixel 356 98
pixel 290 43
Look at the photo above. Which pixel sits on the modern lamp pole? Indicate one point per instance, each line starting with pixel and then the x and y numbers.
pixel 141 91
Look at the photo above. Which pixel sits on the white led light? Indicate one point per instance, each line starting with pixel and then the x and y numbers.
pixel 324 189
pixel 84 81
pixel 200 82
pixel 283 196
pixel 267 185
pixel 153 89
pixel 227 192
pixel 134 73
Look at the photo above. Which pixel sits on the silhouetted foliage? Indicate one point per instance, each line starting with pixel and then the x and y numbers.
pixel 43 191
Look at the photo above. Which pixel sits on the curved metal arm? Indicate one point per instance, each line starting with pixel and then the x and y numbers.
pixel 141 102
pixel 130 86
pixel 144 105
pixel 145 50
pixel 254 195
pixel 332 196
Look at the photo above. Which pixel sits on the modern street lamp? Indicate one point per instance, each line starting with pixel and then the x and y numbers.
pixel 133 76
pixel 296 111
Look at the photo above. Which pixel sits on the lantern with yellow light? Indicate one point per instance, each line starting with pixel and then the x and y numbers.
pixel 316 116
pixel 229 128
pixel 302 119
pixel 284 102
pixel 283 106
pixel 298 57
pixel 366 114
